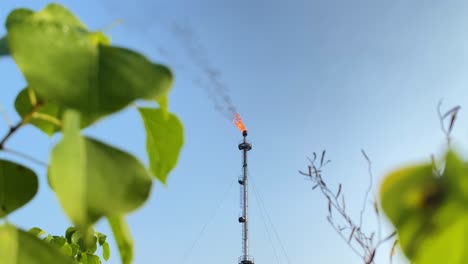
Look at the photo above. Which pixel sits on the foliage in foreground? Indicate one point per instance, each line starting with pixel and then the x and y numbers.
pixel 75 78
pixel 427 204
pixel 73 244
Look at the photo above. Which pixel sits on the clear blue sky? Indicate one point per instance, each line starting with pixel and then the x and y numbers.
pixel 305 76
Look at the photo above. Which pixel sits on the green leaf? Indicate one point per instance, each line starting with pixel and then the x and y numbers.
pixel 44 119
pixel 9 246
pixel 69 233
pixel 83 258
pixel 100 81
pixel 4 46
pixel 447 245
pixel 55 13
pixel 408 196
pixel 48 238
pixel 429 211
pixel 101 238
pixel 122 237
pixel 164 141
pixel 17 16
pixel 75 248
pixel 92 179
pixel 456 175
pixel 58 241
pixel 78 239
pixel 36 231
pixel 105 251
pixel 20 247
pixel 92 246
pixel 18 185
pixel 92 259
pixel 67 250
pixel 126 76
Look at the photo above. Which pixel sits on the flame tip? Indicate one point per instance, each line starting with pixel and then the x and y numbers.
pixel 238 122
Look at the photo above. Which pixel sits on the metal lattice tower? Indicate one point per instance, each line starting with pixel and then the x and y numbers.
pixel 244 219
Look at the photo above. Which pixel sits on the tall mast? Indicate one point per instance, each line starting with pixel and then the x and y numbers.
pixel 244 219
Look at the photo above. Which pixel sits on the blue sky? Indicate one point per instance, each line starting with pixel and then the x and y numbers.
pixel 305 76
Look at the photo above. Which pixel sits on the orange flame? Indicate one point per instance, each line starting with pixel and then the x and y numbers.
pixel 238 122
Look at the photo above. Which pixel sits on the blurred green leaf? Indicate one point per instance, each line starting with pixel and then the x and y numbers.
pixel 58 241
pixel 67 250
pixel 69 233
pixel 105 251
pixel 123 237
pixel 75 248
pixel 92 259
pixel 4 47
pixel 44 119
pixel 100 81
pixel 78 239
pixel 92 179
pixel 164 140
pixel 36 231
pixel 48 238
pixel 83 258
pixel 18 186
pixel 20 247
pixel 18 15
pixel 456 176
pixel 92 247
pixel 101 238
pixel 9 246
pixel 429 210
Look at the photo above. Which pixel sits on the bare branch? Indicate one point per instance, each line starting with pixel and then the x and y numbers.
pixel 452 113
pixel 351 232
pixel 24 121
pixel 321 159
pixel 14 128
pixel 441 117
pixel 351 235
pixel 392 235
pixel 339 191
pixel 392 251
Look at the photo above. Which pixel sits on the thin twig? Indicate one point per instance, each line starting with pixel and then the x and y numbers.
pixel 5 116
pixel 25 156
pixel 360 242
pixel 344 238
pixel 15 128
pixel 24 121
pixel 379 222
pixel 366 196
pixel 452 113
pixel 11 131
pixel 441 118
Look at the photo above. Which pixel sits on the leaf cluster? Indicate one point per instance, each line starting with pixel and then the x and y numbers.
pixel 75 78
pixel 76 245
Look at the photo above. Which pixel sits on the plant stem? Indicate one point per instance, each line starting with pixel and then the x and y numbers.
pixel 25 156
pixel 24 121
pixel 10 133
